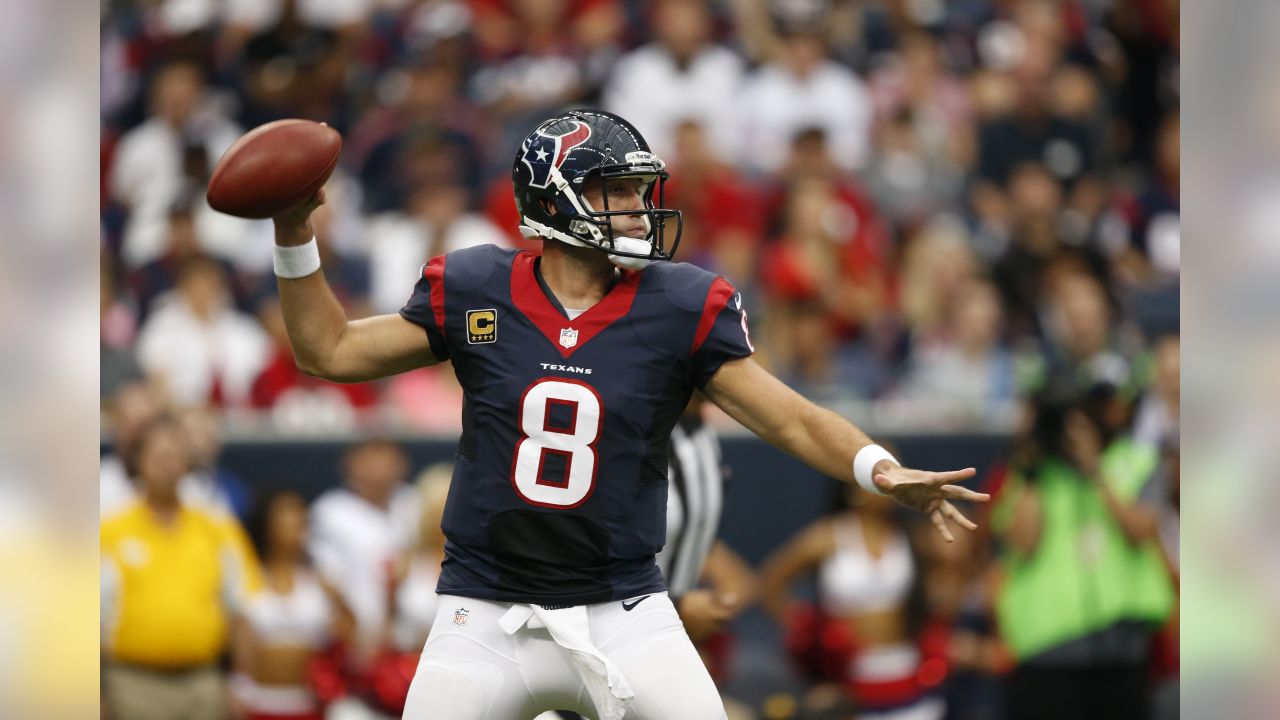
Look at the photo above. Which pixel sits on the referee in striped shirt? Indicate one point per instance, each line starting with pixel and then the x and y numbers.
pixel 707 581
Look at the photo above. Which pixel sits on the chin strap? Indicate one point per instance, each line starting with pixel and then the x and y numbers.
pixel 631 245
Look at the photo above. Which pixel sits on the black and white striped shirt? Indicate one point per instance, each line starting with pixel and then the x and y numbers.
pixel 695 499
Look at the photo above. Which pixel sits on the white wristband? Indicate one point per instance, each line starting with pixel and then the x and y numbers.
pixel 864 464
pixel 297 261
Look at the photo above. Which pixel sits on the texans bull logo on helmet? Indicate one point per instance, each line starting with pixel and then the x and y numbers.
pixel 543 152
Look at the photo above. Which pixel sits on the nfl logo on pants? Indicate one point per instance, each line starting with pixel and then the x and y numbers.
pixel 460 616
pixel 568 337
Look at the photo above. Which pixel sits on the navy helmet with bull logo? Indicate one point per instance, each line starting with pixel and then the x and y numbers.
pixel 556 160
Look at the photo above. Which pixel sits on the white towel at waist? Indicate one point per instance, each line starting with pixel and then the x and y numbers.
pixel 571 630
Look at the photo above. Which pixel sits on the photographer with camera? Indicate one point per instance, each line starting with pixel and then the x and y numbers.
pixel 1084 585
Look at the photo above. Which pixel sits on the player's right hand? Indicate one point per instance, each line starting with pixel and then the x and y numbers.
pixel 293 226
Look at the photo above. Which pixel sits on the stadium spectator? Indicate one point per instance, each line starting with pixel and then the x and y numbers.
pixel 937 264
pixel 245 18
pixel 700 80
pixel 298 401
pixel 810 158
pixel 357 533
pixel 924 133
pixel 1032 131
pixel 427 93
pixel 168 159
pixel 435 221
pixel 292 59
pixel 825 278
pixel 1080 538
pixel 1082 343
pixel 723 220
pixel 965 372
pixel 826 255
pixel 198 346
pixel 914 84
pixel 866 631
pixel 428 401
pixel 419 568
pixel 294 616
pixel 535 56
pixel 800 90
pixel 420 156
pixel 209 484
pixel 156 279
pixel 173 577
pixel 1029 268
pixel 133 406
pixel 909 184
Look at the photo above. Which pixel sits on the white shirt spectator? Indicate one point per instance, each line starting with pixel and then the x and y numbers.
pixel 354 544
pixel 399 245
pixel 416 604
pixel 190 353
pixel 147 177
pixel 655 94
pixel 775 105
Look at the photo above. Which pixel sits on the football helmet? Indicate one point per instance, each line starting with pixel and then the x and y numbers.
pixel 557 159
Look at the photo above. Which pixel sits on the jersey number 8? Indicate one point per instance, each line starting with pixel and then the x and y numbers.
pixel 575 442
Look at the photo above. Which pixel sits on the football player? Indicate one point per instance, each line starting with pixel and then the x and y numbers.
pixel 574 365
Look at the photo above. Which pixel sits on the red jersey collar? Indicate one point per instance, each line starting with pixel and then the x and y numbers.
pixel 565 334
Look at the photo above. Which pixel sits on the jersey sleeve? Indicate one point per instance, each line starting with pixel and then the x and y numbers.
pixel 425 307
pixel 722 333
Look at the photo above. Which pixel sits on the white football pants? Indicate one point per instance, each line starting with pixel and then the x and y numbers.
pixel 474 669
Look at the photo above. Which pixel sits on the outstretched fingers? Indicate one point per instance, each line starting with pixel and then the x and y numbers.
pixel 952 476
pixel 940 523
pixel 955 492
pixel 950 511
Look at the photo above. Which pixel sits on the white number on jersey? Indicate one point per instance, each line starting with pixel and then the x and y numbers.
pixel 575 443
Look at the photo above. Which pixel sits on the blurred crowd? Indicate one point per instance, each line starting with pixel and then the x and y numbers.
pixel 964 212
pixel 934 206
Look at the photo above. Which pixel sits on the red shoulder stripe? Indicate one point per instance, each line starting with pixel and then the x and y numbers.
pixel 717 297
pixel 434 273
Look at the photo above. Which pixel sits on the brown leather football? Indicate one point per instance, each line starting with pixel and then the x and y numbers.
pixel 274 167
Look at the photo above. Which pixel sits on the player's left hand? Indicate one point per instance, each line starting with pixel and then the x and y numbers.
pixel 705 612
pixel 930 493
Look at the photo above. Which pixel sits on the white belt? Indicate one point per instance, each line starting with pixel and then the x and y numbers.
pixel 571 630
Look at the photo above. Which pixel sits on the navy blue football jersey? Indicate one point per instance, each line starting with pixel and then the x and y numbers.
pixel 560 481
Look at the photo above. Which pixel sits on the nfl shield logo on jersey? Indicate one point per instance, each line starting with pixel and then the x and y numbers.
pixel 460 616
pixel 568 337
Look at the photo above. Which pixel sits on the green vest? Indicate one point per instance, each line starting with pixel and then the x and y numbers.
pixel 1084 575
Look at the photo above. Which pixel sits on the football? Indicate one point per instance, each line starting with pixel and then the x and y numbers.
pixel 274 167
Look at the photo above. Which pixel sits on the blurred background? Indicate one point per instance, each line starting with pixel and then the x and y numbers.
pixel 956 222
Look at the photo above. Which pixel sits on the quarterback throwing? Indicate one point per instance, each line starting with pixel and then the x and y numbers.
pixel 574 365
